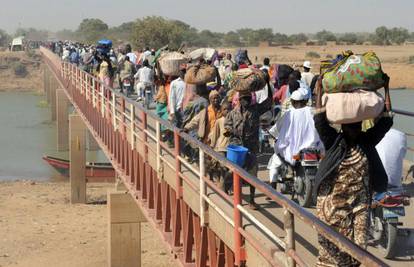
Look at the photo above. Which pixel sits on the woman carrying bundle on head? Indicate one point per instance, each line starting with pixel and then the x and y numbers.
pixel 348 174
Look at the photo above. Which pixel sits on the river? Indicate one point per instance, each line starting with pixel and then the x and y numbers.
pixel 27 134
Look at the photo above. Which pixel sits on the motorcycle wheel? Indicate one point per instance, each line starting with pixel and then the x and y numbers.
pixel 389 241
pixel 305 195
pixel 147 100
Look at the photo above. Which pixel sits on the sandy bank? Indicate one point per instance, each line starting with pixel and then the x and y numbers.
pixel 32 80
pixel 38 227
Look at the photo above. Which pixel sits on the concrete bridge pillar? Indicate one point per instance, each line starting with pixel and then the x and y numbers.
pixel 124 230
pixel 53 89
pixel 62 120
pixel 77 157
pixel 46 83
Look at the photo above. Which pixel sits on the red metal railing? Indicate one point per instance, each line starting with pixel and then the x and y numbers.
pixel 131 138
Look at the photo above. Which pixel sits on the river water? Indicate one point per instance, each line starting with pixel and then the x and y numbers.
pixel 27 134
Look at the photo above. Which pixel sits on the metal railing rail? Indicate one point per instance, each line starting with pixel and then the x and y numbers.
pixel 92 96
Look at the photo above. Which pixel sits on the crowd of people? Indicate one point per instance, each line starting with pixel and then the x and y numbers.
pixel 219 116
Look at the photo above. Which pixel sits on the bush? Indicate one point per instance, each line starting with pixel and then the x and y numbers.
pixel 19 69
pixel 411 60
pixel 312 54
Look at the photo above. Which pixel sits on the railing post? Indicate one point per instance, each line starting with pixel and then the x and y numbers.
pixel 158 137
pixel 177 163
pixel 132 125
pixel 102 100
pixel 237 219
pixel 289 226
pixel 114 111
pixel 93 93
pixel 202 188
pixel 145 137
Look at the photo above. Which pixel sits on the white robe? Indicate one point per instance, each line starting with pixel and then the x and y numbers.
pixel 392 150
pixel 297 132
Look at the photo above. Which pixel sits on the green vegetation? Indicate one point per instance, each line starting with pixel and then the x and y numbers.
pixel 312 54
pixel 411 60
pixel 19 69
pixel 156 31
pixel 91 30
pixel 4 38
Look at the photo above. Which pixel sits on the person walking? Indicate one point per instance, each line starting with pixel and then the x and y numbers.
pixel 242 128
pixel 348 174
pixel 176 97
pixel 307 75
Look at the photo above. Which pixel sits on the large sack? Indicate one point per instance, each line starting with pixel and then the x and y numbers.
pixel 206 53
pixel 170 63
pixel 343 108
pixel 354 72
pixel 248 79
pixel 200 74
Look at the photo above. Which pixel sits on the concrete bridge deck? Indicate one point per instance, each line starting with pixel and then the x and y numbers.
pixel 201 225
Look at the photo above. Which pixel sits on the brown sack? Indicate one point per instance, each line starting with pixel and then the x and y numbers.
pixel 200 74
pixel 248 80
pixel 344 108
pixel 170 63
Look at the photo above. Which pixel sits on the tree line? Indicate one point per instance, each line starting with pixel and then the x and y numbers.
pixel 156 31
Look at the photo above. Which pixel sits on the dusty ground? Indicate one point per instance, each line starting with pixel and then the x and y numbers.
pixel 38 227
pixel 33 81
pixel 395 59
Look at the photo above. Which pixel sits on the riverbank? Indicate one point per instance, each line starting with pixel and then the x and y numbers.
pixel 395 59
pixel 39 227
pixel 21 71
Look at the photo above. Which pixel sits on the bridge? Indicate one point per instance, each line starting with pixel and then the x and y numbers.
pixel 201 225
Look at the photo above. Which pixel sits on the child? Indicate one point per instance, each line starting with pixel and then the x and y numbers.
pixel 219 143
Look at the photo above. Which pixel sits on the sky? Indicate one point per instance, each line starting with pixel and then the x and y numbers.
pixel 288 16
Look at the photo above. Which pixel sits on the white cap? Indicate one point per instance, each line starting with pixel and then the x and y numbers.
pixel 298 95
pixel 307 64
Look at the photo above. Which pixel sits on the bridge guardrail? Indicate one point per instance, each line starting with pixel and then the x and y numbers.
pixel 96 101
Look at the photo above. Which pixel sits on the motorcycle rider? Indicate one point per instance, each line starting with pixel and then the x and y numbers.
pixel 126 72
pixel 144 77
pixel 296 132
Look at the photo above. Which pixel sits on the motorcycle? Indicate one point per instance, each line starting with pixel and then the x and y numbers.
pixel 148 96
pixel 298 180
pixel 386 209
pixel 127 86
pixel 267 119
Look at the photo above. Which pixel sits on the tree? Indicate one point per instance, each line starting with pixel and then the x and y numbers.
pixel 122 32
pixel 325 36
pixel 398 35
pixel 232 39
pixel 155 31
pixel 264 35
pixel 4 38
pixel 247 36
pixel 299 38
pixel 281 39
pixel 91 30
pixel 381 36
pixel 349 38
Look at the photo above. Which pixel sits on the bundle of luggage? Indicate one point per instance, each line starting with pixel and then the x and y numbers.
pixel 170 63
pixel 350 85
pixel 202 53
pixel 200 74
pixel 248 79
pixel 104 46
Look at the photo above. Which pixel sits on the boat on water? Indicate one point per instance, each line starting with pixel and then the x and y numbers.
pixel 95 171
